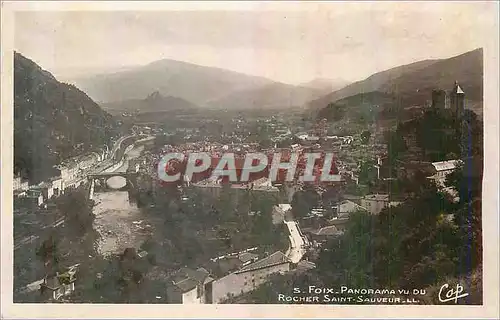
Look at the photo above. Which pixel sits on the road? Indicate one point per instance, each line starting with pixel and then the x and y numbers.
pixel 297 249
pixel 133 153
pixel 109 162
pixel 117 145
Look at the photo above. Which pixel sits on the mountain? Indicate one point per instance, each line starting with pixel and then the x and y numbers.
pixel 325 85
pixel 413 83
pixel 193 83
pixel 68 74
pixel 362 107
pixel 53 121
pixel 199 85
pixel 370 84
pixel 275 95
pixel 155 102
pixel 466 68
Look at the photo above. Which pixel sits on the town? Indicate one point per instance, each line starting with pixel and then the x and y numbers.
pixel 205 240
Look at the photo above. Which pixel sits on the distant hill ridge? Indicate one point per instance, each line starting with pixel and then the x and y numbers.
pixel 275 95
pixel 202 86
pixel 327 85
pixel 154 102
pixel 414 82
pixel 193 83
pixel 223 89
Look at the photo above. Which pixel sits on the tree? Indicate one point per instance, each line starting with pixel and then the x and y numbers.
pixel 48 253
pixel 356 189
pixel 367 173
pixel 330 197
pixel 332 112
pixel 365 136
pixel 471 135
pixel 265 143
pixel 163 140
pixel 77 209
pixel 415 241
pixel 412 245
pixel 304 201
pixel 467 181
pixel 348 259
pixel 396 145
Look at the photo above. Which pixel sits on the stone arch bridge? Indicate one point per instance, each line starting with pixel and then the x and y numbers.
pixel 102 178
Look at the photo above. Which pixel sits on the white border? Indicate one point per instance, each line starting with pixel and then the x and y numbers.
pixel 490 309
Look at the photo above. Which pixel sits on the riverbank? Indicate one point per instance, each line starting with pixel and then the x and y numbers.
pixel 118 223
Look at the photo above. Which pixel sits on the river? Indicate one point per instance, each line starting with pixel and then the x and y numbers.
pixel 118 222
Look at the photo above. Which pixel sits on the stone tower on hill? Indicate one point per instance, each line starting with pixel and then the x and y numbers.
pixel 438 99
pixel 457 101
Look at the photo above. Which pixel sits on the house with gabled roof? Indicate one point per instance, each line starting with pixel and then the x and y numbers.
pixel 247 258
pixel 325 233
pixel 440 170
pixel 249 277
pixel 345 207
pixel 61 284
pixel 188 286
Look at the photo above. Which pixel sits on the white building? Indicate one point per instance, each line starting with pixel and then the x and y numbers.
pixel 249 277
pixel 346 207
pixel 57 185
pixel 19 184
pixel 442 169
pixel 69 171
pixel 30 198
pixel 46 189
pixel 374 203
pixel 263 184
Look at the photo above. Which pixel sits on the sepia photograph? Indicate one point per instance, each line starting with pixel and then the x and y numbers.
pixel 250 153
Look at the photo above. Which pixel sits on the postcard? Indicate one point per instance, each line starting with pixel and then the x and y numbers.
pixel 250 159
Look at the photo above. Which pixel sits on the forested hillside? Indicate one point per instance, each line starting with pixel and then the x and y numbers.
pixel 53 121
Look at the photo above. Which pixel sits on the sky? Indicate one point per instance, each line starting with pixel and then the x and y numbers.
pixel 288 42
